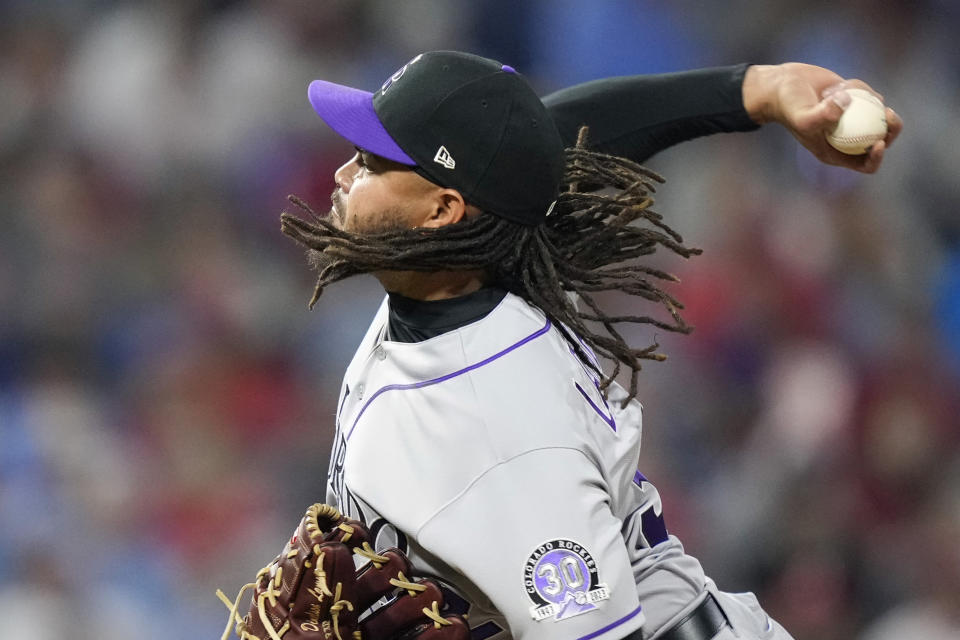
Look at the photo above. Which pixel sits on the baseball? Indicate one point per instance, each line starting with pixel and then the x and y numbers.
pixel 863 123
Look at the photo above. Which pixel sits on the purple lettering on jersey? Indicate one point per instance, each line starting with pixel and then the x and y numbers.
pixel 427 383
pixel 653 526
pixel 343 401
pixel 606 418
pixel 335 475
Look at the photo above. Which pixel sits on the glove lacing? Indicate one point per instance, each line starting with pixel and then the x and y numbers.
pixel 432 612
pixel 270 593
pixel 335 609
pixel 367 552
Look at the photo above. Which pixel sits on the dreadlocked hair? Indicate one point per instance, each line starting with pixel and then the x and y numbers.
pixel 601 222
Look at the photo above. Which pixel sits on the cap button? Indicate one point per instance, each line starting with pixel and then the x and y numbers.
pixel 508 68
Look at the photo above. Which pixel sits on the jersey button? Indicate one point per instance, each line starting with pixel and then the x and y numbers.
pixel 381 353
pixel 360 391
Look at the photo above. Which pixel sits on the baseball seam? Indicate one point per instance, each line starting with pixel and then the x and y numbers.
pixel 857 139
pixel 854 139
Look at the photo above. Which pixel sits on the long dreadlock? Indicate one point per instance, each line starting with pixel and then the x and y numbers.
pixel 584 246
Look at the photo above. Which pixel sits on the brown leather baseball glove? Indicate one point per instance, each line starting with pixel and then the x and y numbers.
pixel 312 590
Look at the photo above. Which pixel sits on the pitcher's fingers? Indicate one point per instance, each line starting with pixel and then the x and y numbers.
pixel 894 126
pixel 855 83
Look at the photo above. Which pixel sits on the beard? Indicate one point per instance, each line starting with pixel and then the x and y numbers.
pixel 385 245
pixel 362 233
pixel 385 220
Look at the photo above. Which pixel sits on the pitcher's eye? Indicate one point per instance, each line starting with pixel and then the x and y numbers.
pixel 363 158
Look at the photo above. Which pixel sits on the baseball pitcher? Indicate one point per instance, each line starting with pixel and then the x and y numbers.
pixel 480 431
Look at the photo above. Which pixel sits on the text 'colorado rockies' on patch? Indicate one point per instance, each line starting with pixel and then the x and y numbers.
pixel 562 581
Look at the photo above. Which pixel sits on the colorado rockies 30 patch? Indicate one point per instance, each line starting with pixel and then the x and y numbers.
pixel 562 581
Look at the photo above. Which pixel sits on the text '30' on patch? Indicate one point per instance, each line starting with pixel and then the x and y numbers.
pixel 561 579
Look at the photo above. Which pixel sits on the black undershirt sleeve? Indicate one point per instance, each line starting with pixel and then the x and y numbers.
pixel 638 116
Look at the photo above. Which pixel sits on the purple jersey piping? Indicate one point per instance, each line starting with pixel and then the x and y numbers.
pixel 427 383
pixel 612 625
pixel 608 419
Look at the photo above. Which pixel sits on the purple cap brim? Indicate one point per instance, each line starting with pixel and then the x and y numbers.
pixel 350 113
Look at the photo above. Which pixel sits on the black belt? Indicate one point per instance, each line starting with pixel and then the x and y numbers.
pixel 700 624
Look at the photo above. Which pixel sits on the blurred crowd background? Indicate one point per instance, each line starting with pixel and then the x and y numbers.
pixel 167 401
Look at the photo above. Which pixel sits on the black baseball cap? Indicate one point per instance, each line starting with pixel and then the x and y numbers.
pixel 461 121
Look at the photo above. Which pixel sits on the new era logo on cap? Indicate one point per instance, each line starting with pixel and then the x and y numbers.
pixel 444 158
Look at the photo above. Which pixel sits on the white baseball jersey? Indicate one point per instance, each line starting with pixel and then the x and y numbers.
pixel 489 455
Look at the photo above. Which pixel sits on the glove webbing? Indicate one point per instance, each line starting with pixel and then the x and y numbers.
pixel 272 590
